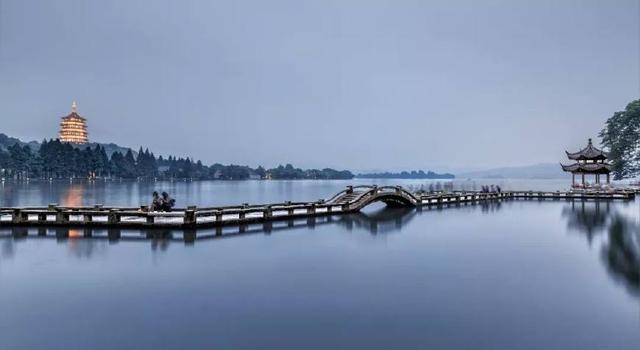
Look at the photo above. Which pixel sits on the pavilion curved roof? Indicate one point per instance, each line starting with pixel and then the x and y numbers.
pixel 589 152
pixel 587 167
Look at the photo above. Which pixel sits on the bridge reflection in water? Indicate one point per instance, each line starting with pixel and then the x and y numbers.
pixel 380 221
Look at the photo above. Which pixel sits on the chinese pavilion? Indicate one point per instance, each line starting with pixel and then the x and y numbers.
pixel 73 128
pixel 589 161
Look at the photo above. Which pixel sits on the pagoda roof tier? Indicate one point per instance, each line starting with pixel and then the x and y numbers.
pixel 588 153
pixel 592 168
pixel 73 115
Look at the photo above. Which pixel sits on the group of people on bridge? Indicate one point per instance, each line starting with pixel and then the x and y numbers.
pixel 162 203
pixel 491 189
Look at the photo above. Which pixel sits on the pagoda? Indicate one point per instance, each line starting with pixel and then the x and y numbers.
pixel 73 127
pixel 588 161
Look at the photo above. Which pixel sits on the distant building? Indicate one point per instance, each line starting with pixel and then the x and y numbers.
pixel 73 127
pixel 588 161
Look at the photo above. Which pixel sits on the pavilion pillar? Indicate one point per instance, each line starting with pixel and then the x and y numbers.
pixel 573 179
pixel 597 178
pixel 582 178
pixel 607 178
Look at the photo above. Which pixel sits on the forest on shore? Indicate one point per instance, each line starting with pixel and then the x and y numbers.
pixel 52 159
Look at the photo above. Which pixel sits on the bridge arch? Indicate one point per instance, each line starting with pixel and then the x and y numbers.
pixel 393 200
pixel 361 196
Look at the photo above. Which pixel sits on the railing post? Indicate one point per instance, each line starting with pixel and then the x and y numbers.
pixel 311 209
pixel 349 189
pixel 242 215
pixel 345 207
pixel 219 216
pixel 42 217
pixel 190 216
pixel 62 217
pixel 113 217
pixel 16 216
pixel 267 213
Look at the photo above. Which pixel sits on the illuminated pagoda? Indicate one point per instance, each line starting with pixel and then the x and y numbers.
pixel 589 161
pixel 73 128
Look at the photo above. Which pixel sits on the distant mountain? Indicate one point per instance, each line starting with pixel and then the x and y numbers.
pixel 110 148
pixel 420 174
pixel 7 141
pixel 536 171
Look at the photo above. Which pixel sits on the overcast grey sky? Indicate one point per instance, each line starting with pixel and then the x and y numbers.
pixel 349 84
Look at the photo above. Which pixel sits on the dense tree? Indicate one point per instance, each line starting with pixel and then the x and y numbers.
pixel 55 159
pixel 621 135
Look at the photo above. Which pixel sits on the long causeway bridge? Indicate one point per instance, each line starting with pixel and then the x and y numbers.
pixel 350 200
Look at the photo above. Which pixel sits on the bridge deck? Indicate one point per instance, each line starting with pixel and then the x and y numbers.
pixel 347 201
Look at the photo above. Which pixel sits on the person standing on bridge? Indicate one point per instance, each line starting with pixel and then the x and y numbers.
pixel 156 202
pixel 167 202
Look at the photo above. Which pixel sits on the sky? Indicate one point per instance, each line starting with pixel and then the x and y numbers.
pixel 349 84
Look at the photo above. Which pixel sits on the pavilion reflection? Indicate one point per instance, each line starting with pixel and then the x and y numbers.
pixel 588 218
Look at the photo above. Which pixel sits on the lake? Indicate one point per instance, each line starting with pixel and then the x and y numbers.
pixel 503 275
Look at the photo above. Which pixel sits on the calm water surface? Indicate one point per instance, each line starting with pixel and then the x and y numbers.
pixel 510 275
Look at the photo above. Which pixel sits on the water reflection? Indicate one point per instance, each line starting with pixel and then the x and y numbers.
pixel 212 193
pixel 73 196
pixel 375 222
pixel 588 218
pixel 382 221
pixel 621 244
pixel 621 254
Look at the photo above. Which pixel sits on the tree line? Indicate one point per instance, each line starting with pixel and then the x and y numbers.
pixel 58 160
